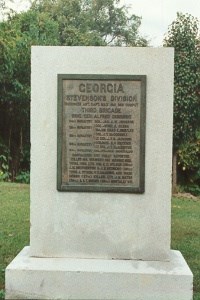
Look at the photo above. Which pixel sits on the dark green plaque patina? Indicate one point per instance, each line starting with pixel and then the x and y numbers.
pixel 101 133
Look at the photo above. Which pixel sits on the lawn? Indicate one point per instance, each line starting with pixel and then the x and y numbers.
pixel 186 235
pixel 14 229
pixel 14 224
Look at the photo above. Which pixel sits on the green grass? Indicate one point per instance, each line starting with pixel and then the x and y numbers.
pixel 14 229
pixel 186 235
pixel 14 224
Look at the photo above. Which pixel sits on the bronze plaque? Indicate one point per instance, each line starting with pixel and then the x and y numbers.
pixel 101 133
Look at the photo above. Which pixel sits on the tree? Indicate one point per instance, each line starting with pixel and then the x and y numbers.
pixel 93 22
pixel 183 36
pixel 17 34
pixel 49 22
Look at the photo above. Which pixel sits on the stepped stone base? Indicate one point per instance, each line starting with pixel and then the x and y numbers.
pixel 66 278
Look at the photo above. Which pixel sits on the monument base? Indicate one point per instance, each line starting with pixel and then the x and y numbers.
pixel 66 278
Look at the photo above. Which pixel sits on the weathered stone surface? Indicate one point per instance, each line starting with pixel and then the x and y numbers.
pixel 101 225
pixel 63 278
pixel 89 245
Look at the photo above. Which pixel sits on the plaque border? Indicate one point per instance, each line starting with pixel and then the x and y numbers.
pixel 103 188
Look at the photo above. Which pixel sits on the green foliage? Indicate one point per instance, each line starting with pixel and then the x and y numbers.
pixel 17 34
pixel 183 36
pixel 49 22
pixel 92 22
pixel 189 165
pixel 194 189
pixel 2 294
pixel 189 156
pixel 4 173
pixel 23 177
pixel 4 162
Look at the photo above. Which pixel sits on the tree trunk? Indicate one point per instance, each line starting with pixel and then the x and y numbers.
pixel 21 141
pixel 10 150
pixel 174 172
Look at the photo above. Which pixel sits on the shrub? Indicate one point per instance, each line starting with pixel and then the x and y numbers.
pixel 23 177
pixel 4 162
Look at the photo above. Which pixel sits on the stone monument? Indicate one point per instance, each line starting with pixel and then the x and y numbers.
pixel 101 145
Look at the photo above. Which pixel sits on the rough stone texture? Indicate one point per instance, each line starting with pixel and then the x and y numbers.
pixel 101 225
pixel 63 278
